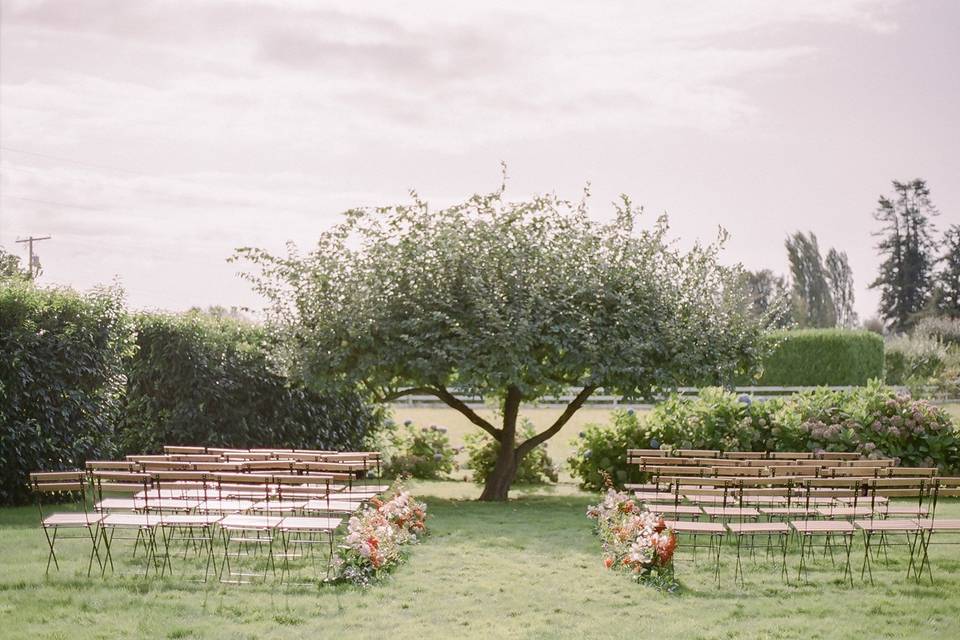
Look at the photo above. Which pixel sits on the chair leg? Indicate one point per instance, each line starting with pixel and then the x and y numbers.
pixel 866 557
pixel 51 542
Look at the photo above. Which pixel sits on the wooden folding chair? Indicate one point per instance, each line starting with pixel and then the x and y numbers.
pixel 136 485
pixel 66 483
pixel 808 529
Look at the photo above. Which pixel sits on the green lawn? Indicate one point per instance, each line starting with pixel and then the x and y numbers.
pixel 526 569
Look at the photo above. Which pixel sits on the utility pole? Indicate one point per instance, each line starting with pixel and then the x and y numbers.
pixel 29 240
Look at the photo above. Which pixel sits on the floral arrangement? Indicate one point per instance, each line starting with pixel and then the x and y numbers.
pixel 634 539
pixel 377 534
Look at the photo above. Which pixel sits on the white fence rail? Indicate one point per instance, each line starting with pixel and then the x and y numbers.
pixel 604 400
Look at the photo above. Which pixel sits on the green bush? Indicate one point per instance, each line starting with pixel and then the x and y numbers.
pixel 423 453
pixel 196 379
pixel 914 359
pixel 872 420
pixel 603 449
pixel 820 357
pixel 61 380
pixel 535 468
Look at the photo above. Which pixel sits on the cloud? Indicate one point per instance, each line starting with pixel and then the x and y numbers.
pixel 234 121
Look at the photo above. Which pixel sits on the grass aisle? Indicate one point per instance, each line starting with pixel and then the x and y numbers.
pixel 527 569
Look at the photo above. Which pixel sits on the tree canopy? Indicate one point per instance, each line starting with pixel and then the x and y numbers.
pixel 510 300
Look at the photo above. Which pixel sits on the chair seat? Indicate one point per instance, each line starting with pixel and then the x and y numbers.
pixel 679 509
pixel 225 506
pixel 296 523
pixel 71 519
pixel 939 524
pixel 787 511
pixel 190 519
pixel 758 527
pixel 731 512
pixel 279 506
pixel 245 522
pixel 822 526
pixel 844 512
pixel 130 520
pixel 170 504
pixel 887 525
pixel 683 526
pixel 335 506
pixel 903 510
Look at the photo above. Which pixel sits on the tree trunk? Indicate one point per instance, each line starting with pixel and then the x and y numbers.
pixel 499 481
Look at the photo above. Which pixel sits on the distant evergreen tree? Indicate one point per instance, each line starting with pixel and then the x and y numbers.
pixel 948 279
pixel 909 253
pixel 840 278
pixel 812 302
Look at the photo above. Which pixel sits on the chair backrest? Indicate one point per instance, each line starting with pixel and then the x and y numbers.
pixel 182 449
pixel 877 462
pixel 791 455
pixel 790 470
pixel 838 455
pixel 112 465
pixel 267 466
pixel 903 472
pixel 696 453
pixel 107 483
pixel 755 472
pixel 744 455
pixel 58 482
pixel 850 472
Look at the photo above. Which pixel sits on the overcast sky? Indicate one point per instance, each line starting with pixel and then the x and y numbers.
pixel 151 138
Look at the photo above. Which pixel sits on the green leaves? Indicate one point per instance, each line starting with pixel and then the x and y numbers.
pixel 61 379
pixel 488 294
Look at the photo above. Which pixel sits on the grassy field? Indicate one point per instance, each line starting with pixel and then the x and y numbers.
pixel 526 569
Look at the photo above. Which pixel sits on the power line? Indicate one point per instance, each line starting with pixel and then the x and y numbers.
pixel 98 167
pixel 50 202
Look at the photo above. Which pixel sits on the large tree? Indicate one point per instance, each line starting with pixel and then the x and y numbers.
pixel 769 296
pixel 948 279
pixel 510 300
pixel 908 249
pixel 813 305
pixel 840 278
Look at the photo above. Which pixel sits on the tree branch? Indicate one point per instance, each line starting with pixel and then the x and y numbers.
pixel 396 395
pixel 458 404
pixel 545 435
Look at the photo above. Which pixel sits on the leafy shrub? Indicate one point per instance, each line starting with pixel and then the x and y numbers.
pixel 603 448
pixel 914 359
pixel 814 357
pixel 61 379
pixel 423 453
pixel 946 330
pixel 535 468
pixel 872 420
pixel 198 379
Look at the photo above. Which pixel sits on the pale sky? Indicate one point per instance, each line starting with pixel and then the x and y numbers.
pixel 151 138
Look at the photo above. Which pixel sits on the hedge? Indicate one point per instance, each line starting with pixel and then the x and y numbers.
pixel 61 379
pixel 821 357
pixel 81 379
pixel 873 420
pixel 197 379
